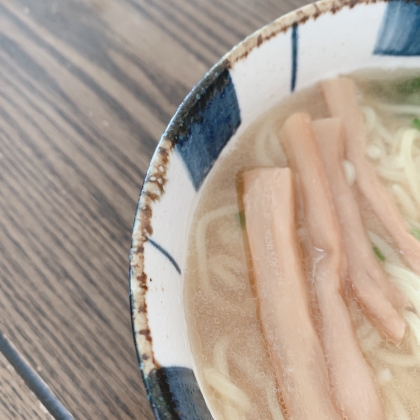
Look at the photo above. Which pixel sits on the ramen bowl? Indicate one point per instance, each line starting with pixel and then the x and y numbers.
pixel 318 41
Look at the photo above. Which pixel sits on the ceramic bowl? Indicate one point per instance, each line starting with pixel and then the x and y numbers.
pixel 313 43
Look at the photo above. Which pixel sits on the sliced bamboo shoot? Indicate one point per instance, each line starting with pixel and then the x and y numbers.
pixel 341 97
pixel 369 283
pixel 296 352
pixel 351 379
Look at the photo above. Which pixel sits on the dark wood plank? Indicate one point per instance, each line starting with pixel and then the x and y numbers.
pixel 86 89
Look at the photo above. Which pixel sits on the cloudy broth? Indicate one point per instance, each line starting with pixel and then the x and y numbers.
pixel 233 361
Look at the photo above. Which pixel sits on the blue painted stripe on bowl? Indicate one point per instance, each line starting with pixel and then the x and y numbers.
pixel 208 126
pixel 175 395
pixel 165 253
pixel 295 51
pixel 400 30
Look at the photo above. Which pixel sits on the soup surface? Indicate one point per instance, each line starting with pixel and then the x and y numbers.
pixel 234 362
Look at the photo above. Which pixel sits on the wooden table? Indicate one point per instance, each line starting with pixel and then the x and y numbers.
pixel 86 89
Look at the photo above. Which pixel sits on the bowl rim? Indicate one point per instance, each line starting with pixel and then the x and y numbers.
pixel 151 191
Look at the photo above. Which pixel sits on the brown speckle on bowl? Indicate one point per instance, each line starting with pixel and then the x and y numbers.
pixel 151 192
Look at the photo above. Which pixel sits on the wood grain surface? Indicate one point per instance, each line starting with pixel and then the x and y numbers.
pixel 86 89
pixel 16 400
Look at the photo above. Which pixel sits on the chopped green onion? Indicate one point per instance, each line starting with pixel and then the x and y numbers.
pixel 378 253
pixel 416 123
pixel 416 233
pixel 241 218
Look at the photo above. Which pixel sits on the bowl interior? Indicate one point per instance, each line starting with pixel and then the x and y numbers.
pixel 316 42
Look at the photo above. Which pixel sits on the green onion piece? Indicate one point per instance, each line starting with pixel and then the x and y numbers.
pixel 416 233
pixel 409 86
pixel 416 123
pixel 378 253
pixel 241 218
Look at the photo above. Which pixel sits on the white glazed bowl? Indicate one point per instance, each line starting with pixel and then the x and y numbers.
pixel 295 51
